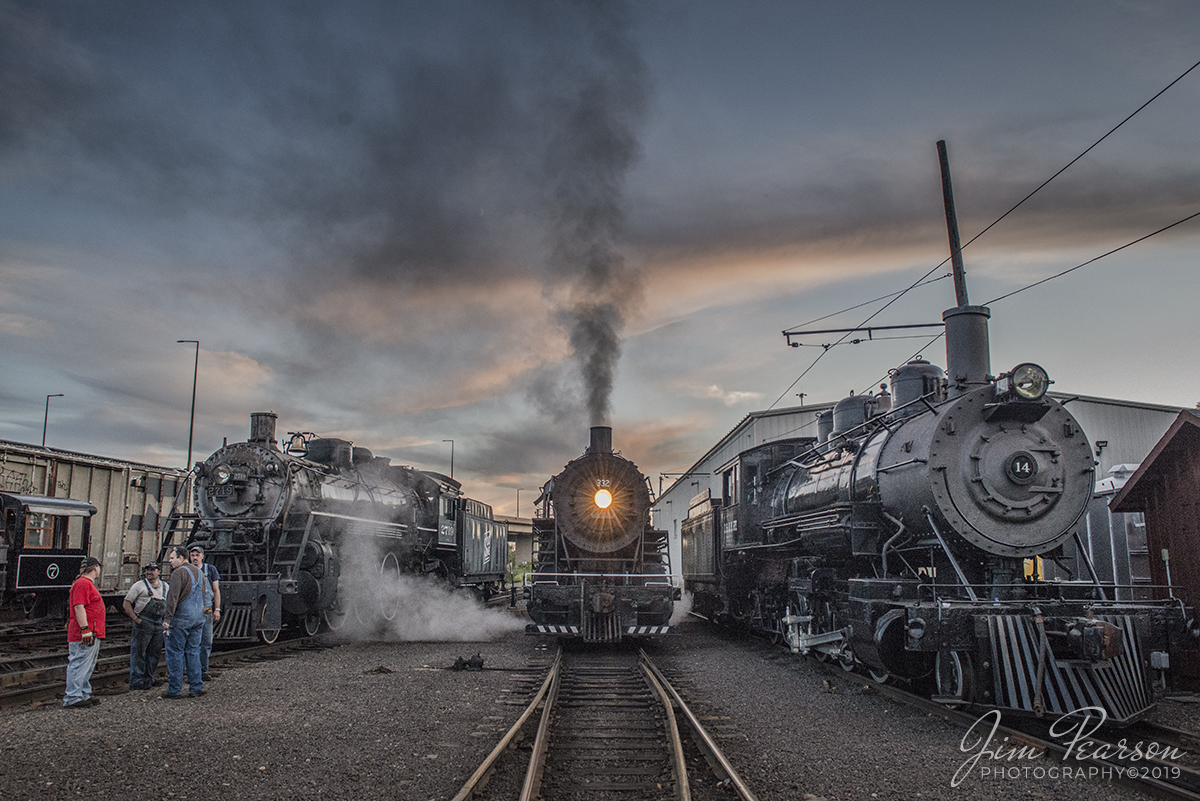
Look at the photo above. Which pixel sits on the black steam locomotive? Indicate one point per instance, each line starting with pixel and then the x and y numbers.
pixel 318 531
pixel 908 539
pixel 602 572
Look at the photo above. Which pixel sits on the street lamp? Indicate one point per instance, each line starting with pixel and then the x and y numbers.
pixel 46 419
pixel 519 500
pixel 195 375
pixel 451 456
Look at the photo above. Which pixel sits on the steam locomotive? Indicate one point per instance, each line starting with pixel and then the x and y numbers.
pixel 317 532
pixel 908 539
pixel 602 572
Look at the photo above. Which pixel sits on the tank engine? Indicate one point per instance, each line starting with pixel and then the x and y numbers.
pixel 315 531
pixel 602 572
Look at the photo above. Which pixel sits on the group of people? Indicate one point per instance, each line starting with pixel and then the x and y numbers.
pixel 179 614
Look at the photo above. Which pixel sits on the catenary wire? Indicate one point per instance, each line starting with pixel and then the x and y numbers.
pixel 1041 186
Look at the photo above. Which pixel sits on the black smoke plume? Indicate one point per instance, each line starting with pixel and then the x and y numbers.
pixel 594 123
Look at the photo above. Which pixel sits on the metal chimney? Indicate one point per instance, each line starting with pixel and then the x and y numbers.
pixel 262 427
pixel 968 352
pixel 601 439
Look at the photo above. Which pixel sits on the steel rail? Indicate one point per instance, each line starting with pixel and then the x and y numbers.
pixel 537 759
pixel 683 790
pixel 703 739
pixel 475 783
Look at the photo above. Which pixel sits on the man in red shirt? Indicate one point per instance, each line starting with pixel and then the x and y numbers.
pixel 85 630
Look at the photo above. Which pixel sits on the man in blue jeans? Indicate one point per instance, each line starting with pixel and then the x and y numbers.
pixel 212 605
pixel 183 624
pixel 85 630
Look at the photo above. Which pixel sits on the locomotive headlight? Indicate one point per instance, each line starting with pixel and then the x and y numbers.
pixel 221 474
pixel 1030 381
pixel 603 499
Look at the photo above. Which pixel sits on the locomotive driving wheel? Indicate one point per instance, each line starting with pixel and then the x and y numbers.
pixel 337 614
pixel 389 573
pixel 312 623
pixel 955 674
pixel 268 636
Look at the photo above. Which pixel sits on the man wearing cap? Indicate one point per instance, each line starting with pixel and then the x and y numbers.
pixel 85 630
pixel 183 623
pixel 145 603
pixel 212 605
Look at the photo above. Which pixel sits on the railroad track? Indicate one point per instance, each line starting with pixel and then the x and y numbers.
pixel 111 676
pixel 608 729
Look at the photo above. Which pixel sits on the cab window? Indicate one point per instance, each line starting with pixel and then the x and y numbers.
pixel 39 530
pixel 729 486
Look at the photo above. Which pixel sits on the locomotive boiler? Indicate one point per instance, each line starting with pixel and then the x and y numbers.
pixel 602 571
pixel 908 538
pixel 318 531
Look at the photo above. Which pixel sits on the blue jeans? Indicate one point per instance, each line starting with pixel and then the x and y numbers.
pixel 144 651
pixel 81 661
pixel 183 645
pixel 206 643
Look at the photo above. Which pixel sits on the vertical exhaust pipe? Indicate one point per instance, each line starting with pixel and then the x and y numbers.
pixel 601 439
pixel 968 351
pixel 262 427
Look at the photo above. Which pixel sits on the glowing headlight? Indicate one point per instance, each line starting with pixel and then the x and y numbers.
pixel 603 499
pixel 1030 381
pixel 221 474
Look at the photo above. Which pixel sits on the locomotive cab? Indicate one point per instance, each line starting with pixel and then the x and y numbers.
pixel 44 541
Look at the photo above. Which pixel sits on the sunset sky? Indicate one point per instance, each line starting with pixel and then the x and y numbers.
pixel 408 222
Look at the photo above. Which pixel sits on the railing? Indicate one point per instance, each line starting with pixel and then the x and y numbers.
pixel 616 579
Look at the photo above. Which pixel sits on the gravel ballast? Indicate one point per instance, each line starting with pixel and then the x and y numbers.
pixel 390 720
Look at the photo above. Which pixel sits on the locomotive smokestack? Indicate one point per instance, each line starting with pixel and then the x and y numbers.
pixel 968 353
pixel 601 439
pixel 262 427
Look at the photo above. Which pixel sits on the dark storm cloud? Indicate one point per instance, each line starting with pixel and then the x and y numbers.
pixel 377 144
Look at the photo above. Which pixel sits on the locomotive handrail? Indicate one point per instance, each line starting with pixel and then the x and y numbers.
pixel 648 578
pixel 833 443
pixel 1042 591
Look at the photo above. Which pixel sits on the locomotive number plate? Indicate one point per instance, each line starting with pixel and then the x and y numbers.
pixel 223 492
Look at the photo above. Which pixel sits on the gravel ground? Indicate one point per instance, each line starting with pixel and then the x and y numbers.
pixel 360 721
pixel 797 738
pixel 388 720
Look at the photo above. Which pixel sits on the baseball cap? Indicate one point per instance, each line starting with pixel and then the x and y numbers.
pixel 150 566
pixel 88 563
pixel 195 549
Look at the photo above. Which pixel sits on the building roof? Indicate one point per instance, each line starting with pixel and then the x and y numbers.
pixel 1183 436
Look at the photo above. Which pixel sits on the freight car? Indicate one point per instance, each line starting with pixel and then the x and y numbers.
pixel 603 571
pixel 317 533
pixel 59 506
pixel 906 539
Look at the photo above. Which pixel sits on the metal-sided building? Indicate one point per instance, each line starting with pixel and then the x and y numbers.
pixel 1121 432
pixel 128 497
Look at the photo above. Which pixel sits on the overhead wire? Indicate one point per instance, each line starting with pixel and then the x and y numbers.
pixel 897 295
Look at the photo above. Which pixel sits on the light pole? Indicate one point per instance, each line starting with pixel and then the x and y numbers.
pixel 451 456
pixel 195 375
pixel 46 419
